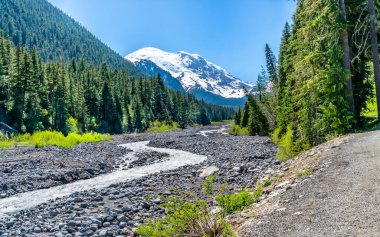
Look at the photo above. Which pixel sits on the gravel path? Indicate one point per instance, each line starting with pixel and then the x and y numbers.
pixel 341 200
pixel 119 208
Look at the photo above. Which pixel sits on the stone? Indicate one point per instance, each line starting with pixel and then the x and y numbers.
pixel 37 229
pixel 208 171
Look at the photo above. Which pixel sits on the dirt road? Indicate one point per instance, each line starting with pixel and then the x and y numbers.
pixel 342 200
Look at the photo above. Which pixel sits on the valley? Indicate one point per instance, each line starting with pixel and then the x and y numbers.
pixel 70 196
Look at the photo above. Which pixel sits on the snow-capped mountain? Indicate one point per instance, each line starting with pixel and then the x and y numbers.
pixel 192 73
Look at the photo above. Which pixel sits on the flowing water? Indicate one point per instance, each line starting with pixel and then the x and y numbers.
pixel 177 158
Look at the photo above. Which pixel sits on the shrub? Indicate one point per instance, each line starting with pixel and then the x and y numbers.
pixel 208 185
pixel 53 138
pixel 304 173
pixel 187 217
pixel 267 183
pixel 237 130
pixel 162 127
pixel 230 203
pixel 286 144
pixel 4 143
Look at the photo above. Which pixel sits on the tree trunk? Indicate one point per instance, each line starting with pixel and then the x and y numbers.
pixel 347 62
pixel 375 54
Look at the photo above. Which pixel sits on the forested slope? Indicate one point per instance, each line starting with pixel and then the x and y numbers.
pixel 77 97
pixel 56 35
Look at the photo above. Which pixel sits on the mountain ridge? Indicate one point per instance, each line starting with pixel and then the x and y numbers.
pixel 194 73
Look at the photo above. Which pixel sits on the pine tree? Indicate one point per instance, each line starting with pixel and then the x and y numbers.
pixel 245 117
pixel 262 83
pixel 271 66
pixel 137 118
pixel 203 118
pixel 237 117
pixel 257 123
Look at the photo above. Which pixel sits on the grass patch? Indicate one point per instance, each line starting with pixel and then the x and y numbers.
pixel 53 138
pixel 304 173
pixel 162 127
pixel 237 130
pixel 5 143
pixel 230 203
pixel 267 183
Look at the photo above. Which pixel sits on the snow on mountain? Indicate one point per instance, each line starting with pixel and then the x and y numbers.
pixel 194 73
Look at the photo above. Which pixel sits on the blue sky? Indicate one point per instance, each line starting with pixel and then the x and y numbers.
pixel 230 33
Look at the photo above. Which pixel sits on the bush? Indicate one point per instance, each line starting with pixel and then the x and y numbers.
pixel 286 144
pixel 304 173
pixel 162 127
pixel 53 138
pixel 187 217
pixel 230 203
pixel 237 130
pixel 4 143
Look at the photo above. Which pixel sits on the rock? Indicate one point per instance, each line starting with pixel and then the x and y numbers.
pixel 37 229
pixel 103 233
pixel 71 223
pixel 208 171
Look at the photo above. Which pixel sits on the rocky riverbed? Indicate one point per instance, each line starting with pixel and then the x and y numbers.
pixel 117 209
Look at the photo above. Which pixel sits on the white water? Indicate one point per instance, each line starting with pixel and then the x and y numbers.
pixel 177 158
pixel 221 130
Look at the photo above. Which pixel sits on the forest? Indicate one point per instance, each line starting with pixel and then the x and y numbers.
pixel 324 77
pixel 36 23
pixel 77 97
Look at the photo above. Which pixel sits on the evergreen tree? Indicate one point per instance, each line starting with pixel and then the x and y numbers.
pixel 271 65
pixel 237 117
pixel 245 117
pixel 137 118
pixel 257 123
pixel 262 82
pixel 203 118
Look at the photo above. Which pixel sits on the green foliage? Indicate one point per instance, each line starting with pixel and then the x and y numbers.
pixel 237 130
pixel 303 173
pixel 311 94
pixel 267 183
pixel 52 138
pixel 162 127
pixel 287 146
pixel 253 121
pixel 188 215
pixel 72 125
pixel 230 203
pixel 208 185
pixel 371 110
pixel 237 117
pixel 203 118
pixel 262 83
pixel 5 142
pixel 257 123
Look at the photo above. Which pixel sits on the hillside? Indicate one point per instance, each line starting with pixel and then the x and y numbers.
pixel 56 35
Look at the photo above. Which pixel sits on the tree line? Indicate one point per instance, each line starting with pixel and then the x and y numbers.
pixel 325 74
pixel 77 97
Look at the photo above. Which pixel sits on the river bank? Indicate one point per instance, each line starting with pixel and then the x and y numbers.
pixel 119 207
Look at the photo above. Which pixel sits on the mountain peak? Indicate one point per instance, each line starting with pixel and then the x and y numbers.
pixel 194 73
